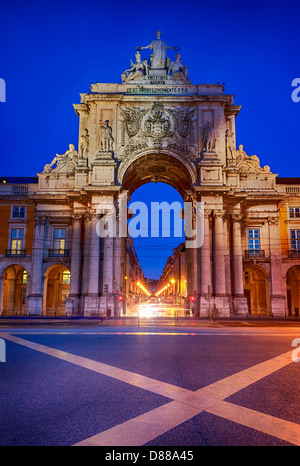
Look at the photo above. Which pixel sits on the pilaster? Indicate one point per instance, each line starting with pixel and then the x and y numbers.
pixel 72 304
pixel 240 305
pixel 35 299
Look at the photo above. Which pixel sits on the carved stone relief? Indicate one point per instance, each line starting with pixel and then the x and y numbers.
pixel 158 127
pixel 249 163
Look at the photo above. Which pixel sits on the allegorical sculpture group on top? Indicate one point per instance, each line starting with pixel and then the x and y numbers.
pixel 158 61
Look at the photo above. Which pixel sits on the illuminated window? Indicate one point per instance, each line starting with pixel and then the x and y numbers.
pixel 66 277
pixel 295 240
pixel 24 277
pixel 59 240
pixel 16 243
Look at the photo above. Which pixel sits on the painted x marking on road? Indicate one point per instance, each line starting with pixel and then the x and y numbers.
pixel 186 403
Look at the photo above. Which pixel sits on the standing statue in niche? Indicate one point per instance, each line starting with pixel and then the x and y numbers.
pixel 159 48
pixel 230 146
pixel 208 138
pixel 106 138
pixel 84 144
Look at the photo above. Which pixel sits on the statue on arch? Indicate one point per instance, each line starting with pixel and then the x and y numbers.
pixel 159 49
pixel 106 138
pixel 84 144
pixel 230 146
pixel 137 70
pixel 177 69
pixel 208 138
pixel 66 161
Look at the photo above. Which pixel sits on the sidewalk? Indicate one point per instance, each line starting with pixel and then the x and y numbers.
pixel 150 322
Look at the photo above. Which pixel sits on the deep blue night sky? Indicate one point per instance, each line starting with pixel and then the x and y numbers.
pixel 52 50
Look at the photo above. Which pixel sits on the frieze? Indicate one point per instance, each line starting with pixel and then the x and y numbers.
pixel 157 90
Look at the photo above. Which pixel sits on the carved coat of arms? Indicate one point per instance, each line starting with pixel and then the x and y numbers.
pixel 158 126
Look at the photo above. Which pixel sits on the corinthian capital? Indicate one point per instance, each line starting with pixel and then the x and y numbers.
pixel 219 213
pixel 77 218
pixel 237 217
pixel 273 220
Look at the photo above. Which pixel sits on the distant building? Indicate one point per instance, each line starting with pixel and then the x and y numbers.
pixel 270 253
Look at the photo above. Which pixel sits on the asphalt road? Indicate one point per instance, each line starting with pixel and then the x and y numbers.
pixel 93 383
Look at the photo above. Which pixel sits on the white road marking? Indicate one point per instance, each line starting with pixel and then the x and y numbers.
pixel 185 404
pixel 280 428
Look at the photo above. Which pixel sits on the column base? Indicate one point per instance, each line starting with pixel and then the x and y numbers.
pixel 97 306
pixel 222 307
pixel 278 305
pixel 204 308
pixel 35 305
pixel 73 306
pixel 240 306
pixel 107 307
pixel 218 306
pixel 91 306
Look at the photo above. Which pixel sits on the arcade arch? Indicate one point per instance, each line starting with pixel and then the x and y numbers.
pixel 164 167
pixel 56 290
pixel 14 290
pixel 256 290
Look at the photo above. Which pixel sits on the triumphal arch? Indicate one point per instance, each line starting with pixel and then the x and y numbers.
pixel 155 125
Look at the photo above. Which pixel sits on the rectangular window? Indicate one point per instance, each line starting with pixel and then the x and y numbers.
pixel 16 242
pixel 253 241
pixel 295 240
pixel 64 295
pixel 24 277
pixel 66 277
pixel 294 212
pixel 18 212
pixel 59 240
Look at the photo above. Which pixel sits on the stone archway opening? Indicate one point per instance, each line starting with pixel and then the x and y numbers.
pixel 163 180
pixel 14 290
pixel 158 167
pixel 57 286
pixel 293 290
pixel 256 290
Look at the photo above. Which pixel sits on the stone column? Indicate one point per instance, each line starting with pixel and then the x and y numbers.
pixel 205 265
pixel 108 259
pixel 237 257
pixel 221 300
pixel 206 255
pixel 240 302
pixel 219 262
pixel 72 305
pixel 87 219
pixel 93 286
pixel 91 305
pixel 35 298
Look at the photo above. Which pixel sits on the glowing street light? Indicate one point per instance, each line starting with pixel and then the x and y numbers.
pixel 143 288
